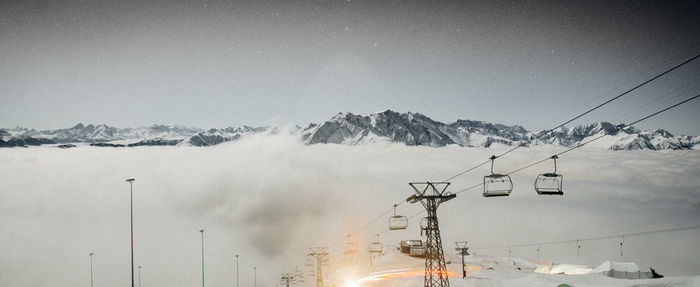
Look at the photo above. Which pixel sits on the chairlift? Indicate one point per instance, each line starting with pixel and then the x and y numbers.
pixel 550 183
pixel 375 247
pixel 398 222
pixel 325 260
pixel 309 262
pixel 350 246
pixel 497 184
pixel 423 225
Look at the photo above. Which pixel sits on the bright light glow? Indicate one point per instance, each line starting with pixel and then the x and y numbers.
pixel 401 274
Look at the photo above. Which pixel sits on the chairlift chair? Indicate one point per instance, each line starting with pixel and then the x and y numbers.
pixel 350 246
pixel 550 183
pixel 375 247
pixel 497 184
pixel 325 261
pixel 309 262
pixel 423 225
pixel 398 222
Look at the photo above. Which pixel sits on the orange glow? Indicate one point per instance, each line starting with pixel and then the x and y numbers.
pixel 404 274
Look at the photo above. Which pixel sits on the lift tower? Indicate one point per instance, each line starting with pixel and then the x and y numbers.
pixel 463 250
pixel 287 278
pixel 321 254
pixel 431 195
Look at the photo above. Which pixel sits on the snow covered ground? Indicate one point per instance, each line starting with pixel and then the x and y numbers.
pixel 398 270
pixel 270 197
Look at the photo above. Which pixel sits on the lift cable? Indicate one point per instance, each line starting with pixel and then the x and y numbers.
pixel 546 132
pixel 587 142
pixel 527 166
pixel 541 134
pixel 592 238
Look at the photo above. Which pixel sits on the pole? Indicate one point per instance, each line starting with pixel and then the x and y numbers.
pixel 202 232
pixel 91 278
pixel 464 272
pixel 139 275
pixel 236 270
pixel 255 274
pixel 131 207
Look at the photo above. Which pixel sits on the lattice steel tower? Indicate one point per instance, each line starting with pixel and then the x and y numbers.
pixel 321 255
pixel 431 195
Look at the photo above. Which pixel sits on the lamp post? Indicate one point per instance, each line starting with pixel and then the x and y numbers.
pixel 131 207
pixel 202 232
pixel 91 278
pixel 139 275
pixel 236 270
pixel 255 276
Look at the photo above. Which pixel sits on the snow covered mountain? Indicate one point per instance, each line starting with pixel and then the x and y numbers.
pixel 418 129
pixel 413 129
pixel 106 136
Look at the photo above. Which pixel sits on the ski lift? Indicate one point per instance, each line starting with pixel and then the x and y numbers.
pixel 578 250
pixel 298 274
pixel 423 225
pixel 550 183
pixel 397 222
pixel 375 247
pixel 497 184
pixel 622 242
pixel 309 262
pixel 350 246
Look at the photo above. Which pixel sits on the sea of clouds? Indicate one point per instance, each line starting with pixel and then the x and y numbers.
pixel 269 198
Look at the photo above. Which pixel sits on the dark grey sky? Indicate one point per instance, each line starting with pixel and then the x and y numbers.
pixel 224 63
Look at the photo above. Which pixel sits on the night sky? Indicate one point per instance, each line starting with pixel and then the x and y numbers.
pixel 227 63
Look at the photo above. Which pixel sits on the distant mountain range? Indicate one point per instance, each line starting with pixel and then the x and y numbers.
pixel 411 129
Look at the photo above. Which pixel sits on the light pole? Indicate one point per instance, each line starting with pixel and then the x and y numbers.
pixel 131 207
pixel 236 270
pixel 255 276
pixel 202 232
pixel 91 278
pixel 139 275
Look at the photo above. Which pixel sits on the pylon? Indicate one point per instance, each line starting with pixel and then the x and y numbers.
pixel 320 253
pixel 431 197
pixel 287 277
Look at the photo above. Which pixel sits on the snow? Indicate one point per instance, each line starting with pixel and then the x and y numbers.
pixel 392 268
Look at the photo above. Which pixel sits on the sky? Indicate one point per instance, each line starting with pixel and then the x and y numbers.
pixel 269 198
pixel 228 63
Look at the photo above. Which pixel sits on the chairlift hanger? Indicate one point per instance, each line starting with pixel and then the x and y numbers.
pixel 397 222
pixel 550 183
pixel 497 184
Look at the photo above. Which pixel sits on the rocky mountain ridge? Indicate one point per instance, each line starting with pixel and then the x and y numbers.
pixel 413 129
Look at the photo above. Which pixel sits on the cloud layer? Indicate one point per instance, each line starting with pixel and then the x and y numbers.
pixel 268 198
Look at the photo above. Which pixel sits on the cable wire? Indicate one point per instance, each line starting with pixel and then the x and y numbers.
pixel 546 132
pixel 592 238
